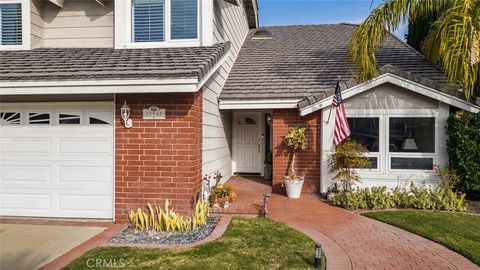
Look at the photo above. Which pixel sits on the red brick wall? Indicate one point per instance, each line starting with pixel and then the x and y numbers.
pixel 157 160
pixel 308 161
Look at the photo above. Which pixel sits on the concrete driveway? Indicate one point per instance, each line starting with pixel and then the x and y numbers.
pixel 32 246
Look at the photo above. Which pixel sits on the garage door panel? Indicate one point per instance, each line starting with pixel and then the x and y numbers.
pixel 22 202
pixel 25 145
pixel 57 170
pixel 84 203
pixel 95 174
pixel 25 173
pixel 90 146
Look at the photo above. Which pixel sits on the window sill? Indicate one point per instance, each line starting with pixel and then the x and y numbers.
pixel 168 44
pixel 14 47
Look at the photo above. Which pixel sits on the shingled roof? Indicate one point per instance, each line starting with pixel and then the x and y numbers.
pixel 305 61
pixel 107 63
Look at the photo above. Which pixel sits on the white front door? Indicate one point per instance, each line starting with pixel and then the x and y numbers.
pixel 248 142
pixel 56 160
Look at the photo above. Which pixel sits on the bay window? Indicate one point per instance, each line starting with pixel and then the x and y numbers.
pixel 158 21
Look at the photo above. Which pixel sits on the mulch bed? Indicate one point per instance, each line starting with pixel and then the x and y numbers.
pixel 133 236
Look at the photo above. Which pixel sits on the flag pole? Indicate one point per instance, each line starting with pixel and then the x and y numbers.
pixel 331 107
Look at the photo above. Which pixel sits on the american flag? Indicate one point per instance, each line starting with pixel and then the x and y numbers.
pixel 342 129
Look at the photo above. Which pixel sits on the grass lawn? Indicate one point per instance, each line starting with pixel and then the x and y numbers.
pixel 249 243
pixel 457 231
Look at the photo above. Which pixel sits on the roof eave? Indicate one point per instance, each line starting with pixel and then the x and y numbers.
pixel 399 81
pixel 107 86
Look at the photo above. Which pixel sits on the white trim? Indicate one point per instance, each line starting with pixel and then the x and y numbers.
pixel 58 3
pixel 123 27
pixel 399 81
pixel 258 104
pixel 26 26
pixel 206 31
pixel 98 86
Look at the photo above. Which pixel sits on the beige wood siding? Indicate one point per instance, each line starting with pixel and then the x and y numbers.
pixel 36 23
pixel 389 96
pixel 230 24
pixel 78 24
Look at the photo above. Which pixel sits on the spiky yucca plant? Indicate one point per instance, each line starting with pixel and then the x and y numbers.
pixel 166 219
pixel 453 42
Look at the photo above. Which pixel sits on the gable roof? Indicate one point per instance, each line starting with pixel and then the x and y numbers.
pixel 46 64
pixel 304 61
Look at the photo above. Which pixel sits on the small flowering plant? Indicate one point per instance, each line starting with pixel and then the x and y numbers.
pixel 219 193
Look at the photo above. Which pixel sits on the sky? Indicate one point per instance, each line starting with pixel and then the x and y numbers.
pixel 290 12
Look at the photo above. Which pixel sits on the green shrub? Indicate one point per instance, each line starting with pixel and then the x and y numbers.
pixel 463 147
pixel 378 198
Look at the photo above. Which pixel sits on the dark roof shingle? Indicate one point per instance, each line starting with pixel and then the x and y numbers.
pixel 108 63
pixel 305 61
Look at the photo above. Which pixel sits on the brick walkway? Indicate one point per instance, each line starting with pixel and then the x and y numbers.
pixel 351 241
pixel 250 190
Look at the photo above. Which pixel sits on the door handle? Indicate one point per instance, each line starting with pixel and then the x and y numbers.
pixel 258 148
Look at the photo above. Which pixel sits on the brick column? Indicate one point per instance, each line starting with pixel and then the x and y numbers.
pixel 308 161
pixel 157 160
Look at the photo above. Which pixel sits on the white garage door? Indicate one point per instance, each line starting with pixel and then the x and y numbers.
pixel 56 160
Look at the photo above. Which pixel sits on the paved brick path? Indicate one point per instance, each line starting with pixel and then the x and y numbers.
pixel 351 241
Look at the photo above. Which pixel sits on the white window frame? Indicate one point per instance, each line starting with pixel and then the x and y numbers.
pixel 390 155
pixel 378 154
pixel 384 155
pixel 26 26
pixel 124 32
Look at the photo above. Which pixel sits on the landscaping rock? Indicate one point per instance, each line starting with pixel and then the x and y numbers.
pixel 133 236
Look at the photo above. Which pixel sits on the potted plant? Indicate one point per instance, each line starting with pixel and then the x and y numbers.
pixel 331 192
pixel 295 140
pixel 348 156
pixel 268 166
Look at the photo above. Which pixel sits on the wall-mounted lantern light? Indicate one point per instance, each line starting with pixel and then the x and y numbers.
pixel 268 117
pixel 125 113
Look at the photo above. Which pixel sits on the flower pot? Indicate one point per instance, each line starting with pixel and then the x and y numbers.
pixel 294 188
pixel 330 196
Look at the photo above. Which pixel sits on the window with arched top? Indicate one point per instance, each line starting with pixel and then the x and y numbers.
pixel 247 121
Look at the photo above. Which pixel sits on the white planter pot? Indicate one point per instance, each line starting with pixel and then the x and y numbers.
pixel 294 188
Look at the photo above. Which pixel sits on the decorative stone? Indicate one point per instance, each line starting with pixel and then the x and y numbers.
pixel 133 236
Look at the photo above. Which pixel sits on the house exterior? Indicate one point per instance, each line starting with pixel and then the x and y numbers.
pixel 106 106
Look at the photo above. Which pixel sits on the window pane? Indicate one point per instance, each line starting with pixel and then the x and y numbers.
pixel 11 24
pixel 247 121
pixel 184 19
pixel 412 163
pixel 9 118
pixel 68 119
pixel 365 132
pixel 100 117
pixel 38 118
pixel 148 20
pixel 412 134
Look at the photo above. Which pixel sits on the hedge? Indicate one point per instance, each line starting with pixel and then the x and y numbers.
pixel 463 147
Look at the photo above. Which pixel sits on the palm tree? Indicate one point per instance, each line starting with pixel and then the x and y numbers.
pixel 453 41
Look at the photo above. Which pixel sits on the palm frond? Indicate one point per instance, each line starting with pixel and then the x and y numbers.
pixel 453 42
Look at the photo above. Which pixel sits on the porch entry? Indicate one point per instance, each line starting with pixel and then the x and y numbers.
pixel 251 141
